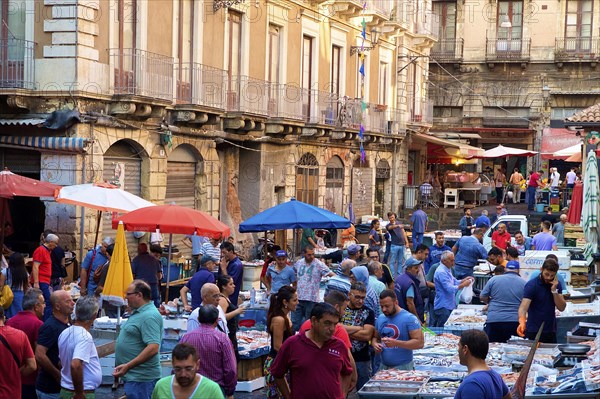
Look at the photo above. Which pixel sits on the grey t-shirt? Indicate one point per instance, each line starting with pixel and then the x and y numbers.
pixel 505 293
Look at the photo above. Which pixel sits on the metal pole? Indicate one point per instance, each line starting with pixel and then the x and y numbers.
pixel 82 224
pixel 169 267
pixel 394 166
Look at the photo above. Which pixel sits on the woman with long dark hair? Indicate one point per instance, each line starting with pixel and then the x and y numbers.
pixel 232 311
pixel 279 327
pixel 18 280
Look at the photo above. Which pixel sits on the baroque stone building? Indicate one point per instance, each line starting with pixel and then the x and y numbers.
pixel 230 107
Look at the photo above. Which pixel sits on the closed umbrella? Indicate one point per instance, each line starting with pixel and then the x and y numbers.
pixel 119 274
pixel 174 219
pixel 591 206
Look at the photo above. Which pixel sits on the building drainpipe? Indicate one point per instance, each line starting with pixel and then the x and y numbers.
pixel 394 165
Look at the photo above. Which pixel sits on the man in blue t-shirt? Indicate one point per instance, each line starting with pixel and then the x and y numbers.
pixel 194 286
pixel 419 222
pixel 481 382
pixel 397 333
pixel 540 298
pixel 436 251
pixel 468 251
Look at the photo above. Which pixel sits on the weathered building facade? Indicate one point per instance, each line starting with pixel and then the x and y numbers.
pixel 226 106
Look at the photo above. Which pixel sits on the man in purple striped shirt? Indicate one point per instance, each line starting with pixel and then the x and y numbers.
pixel 215 352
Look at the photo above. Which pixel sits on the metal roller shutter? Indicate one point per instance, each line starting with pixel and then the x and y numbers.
pixel 132 178
pixel 21 161
pixel 181 183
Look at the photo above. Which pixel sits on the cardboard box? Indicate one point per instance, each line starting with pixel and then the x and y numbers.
pixel 535 259
pixel 250 369
pixel 249 386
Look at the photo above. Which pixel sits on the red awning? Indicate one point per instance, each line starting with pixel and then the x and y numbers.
pixel 555 139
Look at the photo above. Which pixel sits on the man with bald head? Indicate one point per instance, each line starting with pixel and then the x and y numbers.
pixel 210 296
pixel 46 352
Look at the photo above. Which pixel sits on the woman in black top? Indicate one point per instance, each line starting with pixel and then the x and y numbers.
pixel 279 327
pixel 232 311
pixel 17 279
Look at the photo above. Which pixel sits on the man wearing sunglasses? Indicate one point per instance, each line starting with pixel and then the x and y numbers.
pixel 138 343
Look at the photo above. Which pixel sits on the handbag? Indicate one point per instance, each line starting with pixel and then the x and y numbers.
pixel 98 272
pixel 6 296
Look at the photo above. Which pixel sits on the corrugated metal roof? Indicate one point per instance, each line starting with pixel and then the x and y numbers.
pixel 22 122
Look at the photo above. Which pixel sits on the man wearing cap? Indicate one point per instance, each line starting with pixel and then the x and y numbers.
pixel 211 247
pixel 147 268
pixel 94 259
pixel 202 276
pixel 279 273
pixel 42 269
pixel 503 294
pixel 407 289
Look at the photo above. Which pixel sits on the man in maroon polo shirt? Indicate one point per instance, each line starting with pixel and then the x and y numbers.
pixel 318 363
pixel 29 320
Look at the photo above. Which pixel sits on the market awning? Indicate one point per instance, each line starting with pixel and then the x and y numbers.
pixel 556 139
pixel 66 144
pixel 452 148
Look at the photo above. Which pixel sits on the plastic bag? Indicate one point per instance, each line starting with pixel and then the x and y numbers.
pixel 466 295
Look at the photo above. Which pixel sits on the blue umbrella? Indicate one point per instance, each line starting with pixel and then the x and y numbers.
pixel 293 215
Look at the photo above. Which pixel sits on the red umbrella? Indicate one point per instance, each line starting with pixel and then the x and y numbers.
pixel 173 219
pixel 12 185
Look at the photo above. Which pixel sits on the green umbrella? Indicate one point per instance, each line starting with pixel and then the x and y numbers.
pixel 591 206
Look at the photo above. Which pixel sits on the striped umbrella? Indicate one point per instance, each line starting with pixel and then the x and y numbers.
pixel 591 206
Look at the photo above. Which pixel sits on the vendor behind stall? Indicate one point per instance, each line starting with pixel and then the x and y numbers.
pixel 468 251
pixel 540 298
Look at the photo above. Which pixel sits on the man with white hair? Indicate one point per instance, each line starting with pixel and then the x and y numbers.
pixel 554 179
pixel 95 258
pixel 42 269
pixel 210 296
pixel 341 282
pixel 78 354
pixel 446 287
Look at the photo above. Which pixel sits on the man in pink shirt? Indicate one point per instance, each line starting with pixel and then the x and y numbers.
pixel 318 363
pixel 29 320
pixel 534 182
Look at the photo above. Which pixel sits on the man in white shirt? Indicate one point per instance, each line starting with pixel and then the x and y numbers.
pixel 571 177
pixel 81 372
pixel 554 178
pixel 210 296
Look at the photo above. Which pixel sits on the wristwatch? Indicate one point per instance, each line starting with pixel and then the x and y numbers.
pixel 554 292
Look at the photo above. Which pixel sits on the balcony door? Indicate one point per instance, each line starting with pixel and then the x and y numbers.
pixel 234 59
pixel 273 71
pixel 509 38
pixel 307 76
pixel 13 48
pixel 578 26
pixel 126 53
pixel 186 73
pixel 446 13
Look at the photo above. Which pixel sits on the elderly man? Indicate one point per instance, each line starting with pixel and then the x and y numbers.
pixel 558 230
pixel 16 359
pixel 146 267
pixel 42 269
pixel 309 271
pixel 29 320
pixel 203 276
pixel 136 352
pixel 95 258
pixel 397 333
pixel 483 221
pixel 544 241
pixel 503 294
pixel 501 238
pixel 446 287
pixel 375 275
pixel 407 289
pixel 314 356
pixel 78 354
pixel 214 349
pixel 361 274
pixel 387 277
pixel 186 382
pixel 468 251
pixel 341 282
pixel 541 297
pixel 210 296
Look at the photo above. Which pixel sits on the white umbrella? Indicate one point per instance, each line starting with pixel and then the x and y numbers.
pixel 567 152
pixel 103 197
pixel 591 206
pixel 503 152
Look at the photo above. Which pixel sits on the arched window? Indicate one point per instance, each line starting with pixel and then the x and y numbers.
pixel 307 179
